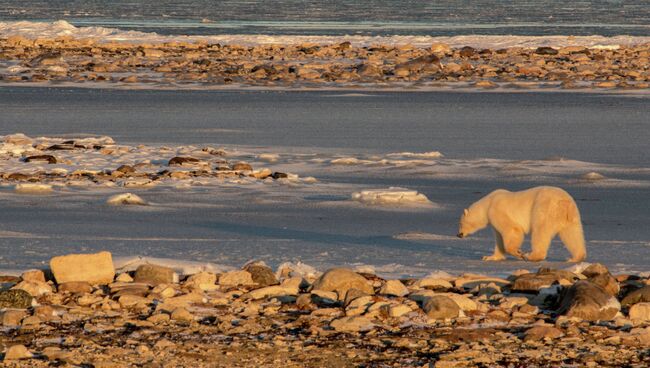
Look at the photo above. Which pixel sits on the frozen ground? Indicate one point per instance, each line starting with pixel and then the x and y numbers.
pixel 350 143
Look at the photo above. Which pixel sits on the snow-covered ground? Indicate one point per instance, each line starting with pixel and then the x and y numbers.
pixel 443 150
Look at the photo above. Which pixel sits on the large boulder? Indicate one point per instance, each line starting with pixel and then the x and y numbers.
pixel 441 307
pixel 533 282
pixel 640 312
pixel 341 280
pixel 96 269
pixel 607 282
pixel 155 275
pixel 262 274
pixel 588 301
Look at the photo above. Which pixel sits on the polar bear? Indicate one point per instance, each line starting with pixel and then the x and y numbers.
pixel 541 211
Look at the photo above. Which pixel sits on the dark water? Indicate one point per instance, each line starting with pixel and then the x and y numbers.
pixel 337 17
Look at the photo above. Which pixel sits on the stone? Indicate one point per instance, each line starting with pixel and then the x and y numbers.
pixel 45 312
pixel 270 291
pixel 588 301
pixel 17 352
pixel 394 288
pixel 546 51
pixel 41 158
pixel 398 310
pixel 15 299
pixel 637 296
pixel 433 283
pixel 262 274
pixel 607 282
pixel 34 288
pixel 12 317
pixel 341 280
pixel 159 318
pixel 538 333
pixel 440 307
pixel 179 161
pixel 33 275
pixel 127 301
pixel 205 281
pixel 640 312
pixel 124 277
pixel 236 278
pixel 182 315
pixel 594 270
pixel 242 166
pixel 155 275
pixel 352 324
pixel 75 287
pixel 544 278
pixel 96 269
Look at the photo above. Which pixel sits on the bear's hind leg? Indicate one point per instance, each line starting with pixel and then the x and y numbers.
pixel 499 251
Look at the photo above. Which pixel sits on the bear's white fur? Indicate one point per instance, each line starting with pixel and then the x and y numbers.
pixel 541 211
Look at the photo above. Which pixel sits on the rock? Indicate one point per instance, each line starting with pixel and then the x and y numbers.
pixel 463 302
pixel 17 352
pixel 205 281
pixel 440 48
pixel 236 278
pixel 533 282
pixel 588 301
pixel 34 288
pixel 242 166
pixel 155 275
pixel 352 324
pixel 38 158
pixel 182 315
pixel 594 270
pixel 126 169
pixel 466 51
pixel 261 274
pixel 159 318
pixel 96 269
pixel 394 288
pixel 124 277
pixel 12 317
pixel 45 312
pixel 607 282
pixel 184 301
pixel 18 139
pixel 440 307
pixel 341 280
pixel 179 161
pixel 270 291
pixel 75 287
pixel 126 199
pixel 637 296
pixel 640 312
pixel 546 51
pixel 33 275
pixel 433 283
pixel 538 333
pixel 398 310
pixel 15 299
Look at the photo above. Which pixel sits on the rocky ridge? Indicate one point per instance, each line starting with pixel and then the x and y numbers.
pixel 71 314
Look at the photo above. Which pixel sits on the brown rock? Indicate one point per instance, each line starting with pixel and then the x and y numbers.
pixel 12 317
pixel 33 275
pixel 595 270
pixel 261 274
pixel 155 275
pixel 17 352
pixel 533 282
pixel 47 158
pixel 95 269
pixel 182 160
pixel 640 312
pixel 637 296
pixel 607 282
pixel 538 333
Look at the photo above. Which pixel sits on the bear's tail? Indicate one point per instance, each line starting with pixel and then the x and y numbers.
pixel 572 235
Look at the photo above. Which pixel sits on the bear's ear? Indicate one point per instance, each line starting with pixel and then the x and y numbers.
pixel 465 212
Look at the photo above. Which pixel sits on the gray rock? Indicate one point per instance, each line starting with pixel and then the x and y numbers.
pixel 261 274
pixel 588 301
pixel 607 282
pixel 441 307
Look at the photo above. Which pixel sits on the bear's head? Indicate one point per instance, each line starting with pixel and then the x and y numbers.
pixel 470 222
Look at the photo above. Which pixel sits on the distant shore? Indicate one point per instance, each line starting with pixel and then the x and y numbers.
pixel 177 64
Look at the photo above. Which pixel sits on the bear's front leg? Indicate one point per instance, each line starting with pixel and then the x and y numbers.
pixel 494 257
pixel 499 254
pixel 512 241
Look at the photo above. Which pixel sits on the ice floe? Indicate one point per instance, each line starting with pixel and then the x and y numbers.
pixel 393 196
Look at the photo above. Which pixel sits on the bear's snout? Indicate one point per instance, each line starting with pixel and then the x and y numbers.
pixel 460 235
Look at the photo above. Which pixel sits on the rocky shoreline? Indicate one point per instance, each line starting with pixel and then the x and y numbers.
pixel 342 65
pixel 81 311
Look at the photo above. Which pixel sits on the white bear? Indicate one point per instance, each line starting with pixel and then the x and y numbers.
pixel 541 211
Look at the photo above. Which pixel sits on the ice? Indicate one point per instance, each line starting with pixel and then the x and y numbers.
pixel 126 264
pixel 393 196
pixel 62 28
pixel 432 154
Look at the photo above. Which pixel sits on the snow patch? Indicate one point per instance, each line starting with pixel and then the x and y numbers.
pixel 393 196
pixel 33 188
pixel 126 199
